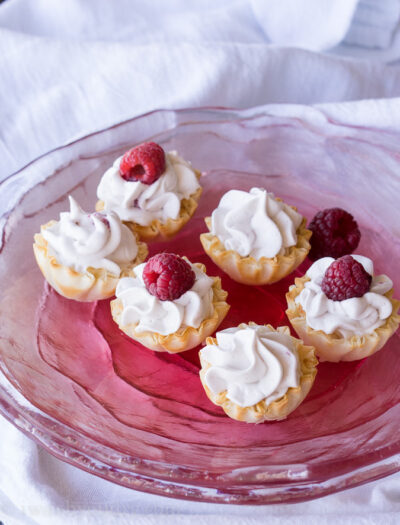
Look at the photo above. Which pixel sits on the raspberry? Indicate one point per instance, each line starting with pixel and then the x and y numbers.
pixel 168 276
pixel 345 278
pixel 335 233
pixel 144 163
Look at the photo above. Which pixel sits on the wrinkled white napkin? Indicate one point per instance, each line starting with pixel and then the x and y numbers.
pixel 321 25
pixel 374 24
pixel 70 68
pixel 311 24
pixel 53 91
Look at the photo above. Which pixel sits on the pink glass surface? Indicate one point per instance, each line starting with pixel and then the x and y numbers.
pixel 73 382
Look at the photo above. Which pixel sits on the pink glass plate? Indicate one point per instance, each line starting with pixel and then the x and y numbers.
pixel 74 383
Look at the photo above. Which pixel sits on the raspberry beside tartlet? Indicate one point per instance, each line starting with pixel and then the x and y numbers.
pixel 334 233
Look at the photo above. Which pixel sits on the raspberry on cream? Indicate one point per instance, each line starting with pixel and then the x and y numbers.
pixel 144 163
pixel 255 224
pixel 252 363
pixel 142 203
pixel 345 278
pixel 99 240
pixel 348 317
pixel 168 276
pixel 164 317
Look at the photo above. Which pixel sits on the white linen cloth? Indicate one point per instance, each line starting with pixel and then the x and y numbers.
pixel 314 24
pixel 70 68
pixel 355 27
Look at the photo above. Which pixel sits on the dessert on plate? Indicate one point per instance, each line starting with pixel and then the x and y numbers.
pixel 342 308
pixel 169 304
pixel 83 255
pixel 153 192
pixel 256 238
pixel 256 373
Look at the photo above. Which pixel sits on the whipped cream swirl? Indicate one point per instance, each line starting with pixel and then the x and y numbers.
pixel 99 240
pixel 251 363
pixel 254 223
pixel 355 316
pixel 142 203
pixel 164 317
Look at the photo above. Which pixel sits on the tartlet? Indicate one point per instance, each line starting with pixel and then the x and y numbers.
pixel 169 228
pixel 91 283
pixel 248 269
pixel 274 407
pixel 141 322
pixel 343 345
pixel 159 207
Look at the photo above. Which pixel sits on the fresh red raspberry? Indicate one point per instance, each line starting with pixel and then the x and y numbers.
pixel 345 278
pixel 335 233
pixel 144 163
pixel 168 276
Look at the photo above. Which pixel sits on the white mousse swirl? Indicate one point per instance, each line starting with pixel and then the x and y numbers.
pixel 355 316
pixel 254 223
pixel 99 240
pixel 142 203
pixel 251 364
pixel 164 317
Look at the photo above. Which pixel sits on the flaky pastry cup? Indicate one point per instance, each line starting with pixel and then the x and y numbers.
pixel 93 285
pixel 165 230
pixel 247 270
pixel 278 409
pixel 334 347
pixel 186 337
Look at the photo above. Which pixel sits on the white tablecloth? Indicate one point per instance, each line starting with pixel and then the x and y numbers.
pixel 69 68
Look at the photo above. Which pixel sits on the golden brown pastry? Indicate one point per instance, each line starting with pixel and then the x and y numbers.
pixel 346 329
pixel 82 256
pixel 256 373
pixel 146 311
pixel 255 238
pixel 153 192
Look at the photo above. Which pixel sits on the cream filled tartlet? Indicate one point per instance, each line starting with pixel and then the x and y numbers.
pixel 169 304
pixel 342 308
pixel 256 373
pixel 83 255
pixel 256 238
pixel 153 192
